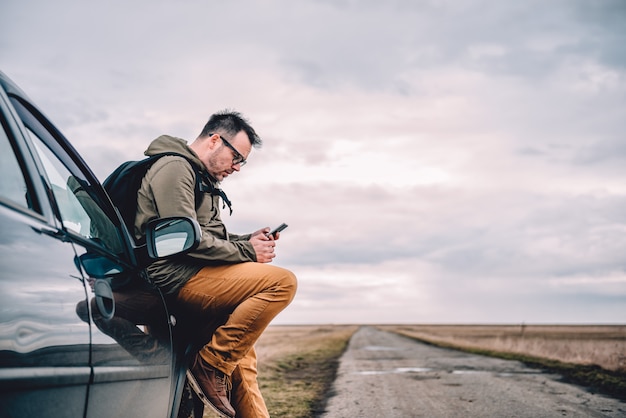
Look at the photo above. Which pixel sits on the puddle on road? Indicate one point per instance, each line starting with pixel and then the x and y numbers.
pixel 471 372
pixel 380 348
pixel 412 369
pixel 497 373
pixel 395 371
pixel 401 370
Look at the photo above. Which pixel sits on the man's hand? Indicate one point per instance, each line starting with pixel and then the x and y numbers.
pixel 263 245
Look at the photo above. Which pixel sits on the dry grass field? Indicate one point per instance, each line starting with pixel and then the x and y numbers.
pixel 297 364
pixel 604 346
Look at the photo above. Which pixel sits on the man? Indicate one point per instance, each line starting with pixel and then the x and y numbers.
pixel 227 278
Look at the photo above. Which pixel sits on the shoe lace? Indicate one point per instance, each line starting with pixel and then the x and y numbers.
pixel 224 382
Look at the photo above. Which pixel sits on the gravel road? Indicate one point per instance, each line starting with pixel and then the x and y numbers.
pixel 382 374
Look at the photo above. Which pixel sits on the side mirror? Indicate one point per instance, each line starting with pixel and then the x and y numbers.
pixel 172 236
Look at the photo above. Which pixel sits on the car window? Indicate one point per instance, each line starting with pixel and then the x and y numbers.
pixel 12 183
pixel 79 212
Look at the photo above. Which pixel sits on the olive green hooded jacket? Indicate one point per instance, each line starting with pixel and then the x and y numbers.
pixel 168 189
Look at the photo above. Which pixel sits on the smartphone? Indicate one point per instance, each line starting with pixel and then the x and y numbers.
pixel 277 229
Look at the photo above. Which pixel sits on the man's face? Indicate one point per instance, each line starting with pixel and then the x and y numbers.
pixel 227 154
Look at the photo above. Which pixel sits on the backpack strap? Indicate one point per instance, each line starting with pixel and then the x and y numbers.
pixel 206 185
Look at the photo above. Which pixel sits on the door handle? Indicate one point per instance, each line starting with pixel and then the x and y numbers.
pixel 104 298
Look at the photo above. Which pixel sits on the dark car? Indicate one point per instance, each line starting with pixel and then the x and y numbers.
pixel 83 333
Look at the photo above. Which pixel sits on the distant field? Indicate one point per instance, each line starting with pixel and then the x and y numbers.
pixel 604 345
pixel 298 363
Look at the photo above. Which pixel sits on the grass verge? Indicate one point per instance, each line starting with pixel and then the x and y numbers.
pixel 595 378
pixel 295 384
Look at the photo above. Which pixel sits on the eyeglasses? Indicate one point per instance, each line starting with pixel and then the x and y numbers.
pixel 238 158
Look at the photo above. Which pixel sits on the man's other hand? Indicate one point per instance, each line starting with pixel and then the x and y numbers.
pixel 263 245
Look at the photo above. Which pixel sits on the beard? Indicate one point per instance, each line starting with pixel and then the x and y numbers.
pixel 214 164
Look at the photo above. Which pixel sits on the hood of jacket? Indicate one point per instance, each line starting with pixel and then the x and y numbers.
pixel 166 143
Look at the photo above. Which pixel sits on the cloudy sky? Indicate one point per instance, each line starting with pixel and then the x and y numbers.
pixel 437 161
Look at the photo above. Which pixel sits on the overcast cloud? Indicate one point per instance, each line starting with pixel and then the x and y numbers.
pixel 437 161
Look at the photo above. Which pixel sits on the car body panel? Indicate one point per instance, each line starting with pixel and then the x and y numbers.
pixel 43 344
pixel 71 344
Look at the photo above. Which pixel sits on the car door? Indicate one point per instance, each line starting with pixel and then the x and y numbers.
pixel 131 347
pixel 44 345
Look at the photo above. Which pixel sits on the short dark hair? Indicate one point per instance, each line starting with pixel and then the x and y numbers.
pixel 231 123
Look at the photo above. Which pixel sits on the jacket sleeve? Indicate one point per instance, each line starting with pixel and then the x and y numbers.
pixel 235 237
pixel 173 188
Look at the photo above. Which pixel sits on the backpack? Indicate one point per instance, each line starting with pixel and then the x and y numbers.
pixel 123 184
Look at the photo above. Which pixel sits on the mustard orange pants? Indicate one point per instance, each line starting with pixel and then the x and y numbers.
pixel 248 296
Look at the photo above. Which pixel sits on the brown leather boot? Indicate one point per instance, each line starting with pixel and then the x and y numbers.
pixel 212 386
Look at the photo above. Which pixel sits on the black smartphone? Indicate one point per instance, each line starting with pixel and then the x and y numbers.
pixel 277 229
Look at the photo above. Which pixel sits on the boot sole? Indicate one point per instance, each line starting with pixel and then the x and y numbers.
pixel 196 388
